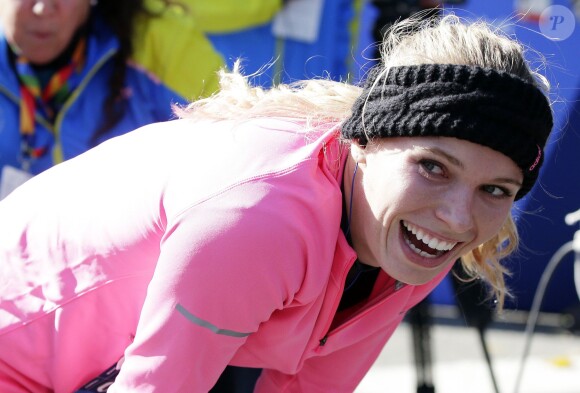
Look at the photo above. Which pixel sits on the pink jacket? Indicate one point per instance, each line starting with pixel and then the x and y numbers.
pixel 186 246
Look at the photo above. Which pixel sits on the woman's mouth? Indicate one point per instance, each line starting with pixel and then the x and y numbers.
pixel 41 35
pixel 423 244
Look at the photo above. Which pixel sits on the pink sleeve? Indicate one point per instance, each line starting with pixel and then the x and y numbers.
pixel 220 274
pixel 337 372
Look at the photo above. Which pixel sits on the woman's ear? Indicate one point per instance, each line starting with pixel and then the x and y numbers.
pixel 358 153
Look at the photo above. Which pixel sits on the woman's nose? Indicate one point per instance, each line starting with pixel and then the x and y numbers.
pixel 456 210
pixel 42 7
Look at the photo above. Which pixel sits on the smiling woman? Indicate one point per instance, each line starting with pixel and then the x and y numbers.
pixel 286 230
pixel 424 202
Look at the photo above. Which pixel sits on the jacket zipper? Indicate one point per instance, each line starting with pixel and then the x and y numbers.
pixel 57 154
pixel 364 311
pixel 322 341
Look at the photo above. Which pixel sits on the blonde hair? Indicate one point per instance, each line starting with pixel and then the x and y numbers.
pixel 316 101
pixel 413 41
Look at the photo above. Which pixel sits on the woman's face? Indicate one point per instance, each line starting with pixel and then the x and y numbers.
pixel 421 203
pixel 42 30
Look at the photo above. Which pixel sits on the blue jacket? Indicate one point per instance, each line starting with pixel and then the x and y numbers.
pixel 151 89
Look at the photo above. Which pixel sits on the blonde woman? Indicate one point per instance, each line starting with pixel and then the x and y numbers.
pixel 287 230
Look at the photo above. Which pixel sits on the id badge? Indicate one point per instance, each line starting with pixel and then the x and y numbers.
pixel 299 20
pixel 11 179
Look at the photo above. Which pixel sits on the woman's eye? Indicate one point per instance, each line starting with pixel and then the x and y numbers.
pixel 432 167
pixel 496 191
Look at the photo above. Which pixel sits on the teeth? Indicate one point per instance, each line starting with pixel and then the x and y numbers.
pixel 420 252
pixel 432 242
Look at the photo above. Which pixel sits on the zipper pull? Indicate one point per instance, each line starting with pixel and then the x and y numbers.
pixel 399 285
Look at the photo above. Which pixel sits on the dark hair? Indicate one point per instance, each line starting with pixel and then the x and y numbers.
pixel 120 16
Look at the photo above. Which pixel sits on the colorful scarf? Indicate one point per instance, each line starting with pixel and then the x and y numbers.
pixel 46 101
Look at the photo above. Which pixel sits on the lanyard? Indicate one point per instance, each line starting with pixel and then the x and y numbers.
pixel 46 101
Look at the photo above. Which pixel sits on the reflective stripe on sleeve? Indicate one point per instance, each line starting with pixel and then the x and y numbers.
pixel 208 325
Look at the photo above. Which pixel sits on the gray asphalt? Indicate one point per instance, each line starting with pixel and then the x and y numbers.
pixel 553 365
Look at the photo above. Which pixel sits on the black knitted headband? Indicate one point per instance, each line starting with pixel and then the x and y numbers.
pixel 488 107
